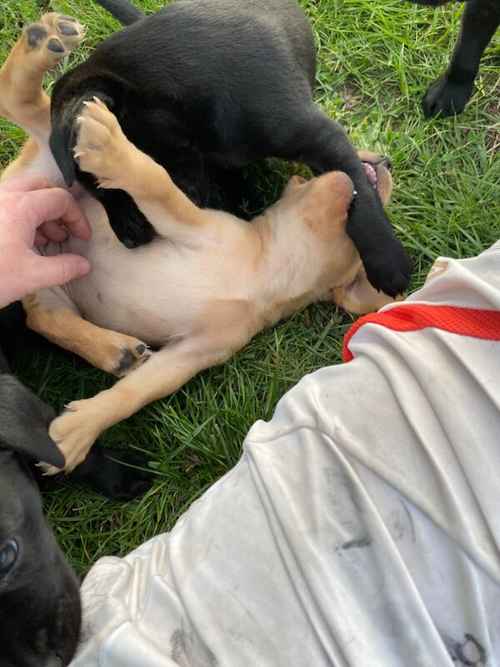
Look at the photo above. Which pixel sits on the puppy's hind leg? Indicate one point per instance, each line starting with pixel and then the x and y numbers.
pixel 42 46
pixel 51 313
pixel 103 150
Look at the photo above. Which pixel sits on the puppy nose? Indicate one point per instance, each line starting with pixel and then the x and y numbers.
pixel 385 162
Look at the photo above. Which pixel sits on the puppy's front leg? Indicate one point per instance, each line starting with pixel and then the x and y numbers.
pixel 451 92
pixel 324 146
pixel 103 150
pixel 76 429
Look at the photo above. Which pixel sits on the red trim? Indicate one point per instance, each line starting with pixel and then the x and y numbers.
pixel 472 322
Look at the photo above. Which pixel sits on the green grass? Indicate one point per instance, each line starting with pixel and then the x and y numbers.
pixel 376 58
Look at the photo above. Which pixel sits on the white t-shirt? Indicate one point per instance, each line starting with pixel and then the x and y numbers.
pixel 361 526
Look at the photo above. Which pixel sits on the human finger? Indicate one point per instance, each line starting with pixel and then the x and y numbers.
pixel 57 270
pixel 24 184
pixel 53 231
pixel 40 206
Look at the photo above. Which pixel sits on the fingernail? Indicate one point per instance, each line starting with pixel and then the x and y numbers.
pixel 82 266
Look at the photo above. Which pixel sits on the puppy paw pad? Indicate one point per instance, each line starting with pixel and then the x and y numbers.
pixel 54 34
pixel 67 29
pixel 35 34
pixel 55 45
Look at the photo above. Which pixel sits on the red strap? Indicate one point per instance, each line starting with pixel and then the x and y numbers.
pixel 472 322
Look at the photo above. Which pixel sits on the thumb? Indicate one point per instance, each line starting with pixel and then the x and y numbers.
pixel 57 270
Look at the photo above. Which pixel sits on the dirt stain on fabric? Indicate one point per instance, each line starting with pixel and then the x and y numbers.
pixel 359 543
pixel 188 650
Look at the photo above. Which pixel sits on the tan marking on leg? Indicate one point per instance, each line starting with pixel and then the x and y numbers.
pixel 111 351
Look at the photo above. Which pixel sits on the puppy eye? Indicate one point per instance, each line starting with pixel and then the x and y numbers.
pixel 8 556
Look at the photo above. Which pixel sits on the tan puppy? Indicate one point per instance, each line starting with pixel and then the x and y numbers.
pixel 202 288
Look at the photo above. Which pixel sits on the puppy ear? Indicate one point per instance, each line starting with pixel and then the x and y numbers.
pixel 64 134
pixel 33 443
pixel 360 297
pixel 62 141
pixel 24 421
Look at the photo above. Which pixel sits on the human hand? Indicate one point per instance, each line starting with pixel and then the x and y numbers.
pixel 32 213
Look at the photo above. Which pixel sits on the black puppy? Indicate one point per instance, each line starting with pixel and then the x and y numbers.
pixel 207 87
pixel 451 92
pixel 39 594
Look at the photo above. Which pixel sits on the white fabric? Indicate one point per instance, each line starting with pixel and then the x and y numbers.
pixel 360 527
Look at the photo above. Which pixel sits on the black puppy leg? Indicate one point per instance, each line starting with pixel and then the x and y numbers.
pixel 113 472
pixel 323 145
pixel 451 92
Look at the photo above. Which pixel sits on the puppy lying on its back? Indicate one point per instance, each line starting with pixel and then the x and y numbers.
pixel 204 286
pixel 207 87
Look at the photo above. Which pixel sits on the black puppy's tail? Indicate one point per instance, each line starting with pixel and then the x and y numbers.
pixel 122 10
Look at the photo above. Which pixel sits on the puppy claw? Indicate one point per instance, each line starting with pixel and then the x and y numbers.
pixel 106 184
pixel 49 470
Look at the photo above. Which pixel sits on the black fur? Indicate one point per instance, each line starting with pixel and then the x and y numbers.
pixel 450 93
pixel 209 86
pixel 125 12
pixel 39 595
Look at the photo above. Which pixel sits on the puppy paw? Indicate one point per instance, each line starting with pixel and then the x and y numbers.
pixel 386 263
pixel 74 432
pixel 445 98
pixel 388 268
pixel 101 148
pixel 116 473
pixel 52 38
pixel 131 354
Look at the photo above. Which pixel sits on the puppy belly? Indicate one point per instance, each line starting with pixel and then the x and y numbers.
pixel 134 319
